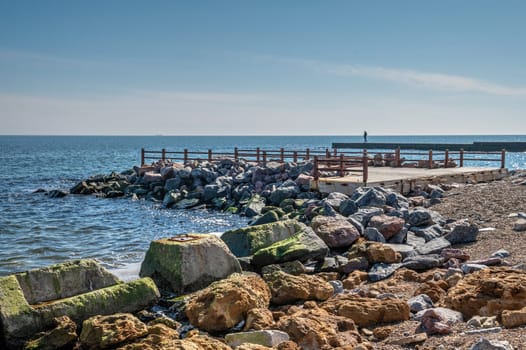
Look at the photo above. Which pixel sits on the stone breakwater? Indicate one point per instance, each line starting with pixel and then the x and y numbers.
pixel 326 272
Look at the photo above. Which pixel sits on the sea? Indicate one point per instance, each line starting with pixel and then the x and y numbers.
pixel 37 231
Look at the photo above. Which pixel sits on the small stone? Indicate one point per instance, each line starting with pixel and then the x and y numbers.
pixel 420 302
pixel 520 225
pixel 501 253
pixel 486 344
pixel 470 268
pixel 381 271
pixel 412 339
pixel 382 332
pixel 372 234
pixel 267 338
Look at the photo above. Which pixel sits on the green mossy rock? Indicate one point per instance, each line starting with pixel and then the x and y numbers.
pixel 189 262
pixel 248 240
pixel 304 245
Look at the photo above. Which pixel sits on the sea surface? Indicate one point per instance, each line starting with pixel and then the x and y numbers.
pixel 36 231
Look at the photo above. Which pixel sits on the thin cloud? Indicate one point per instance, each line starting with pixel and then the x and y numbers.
pixel 403 76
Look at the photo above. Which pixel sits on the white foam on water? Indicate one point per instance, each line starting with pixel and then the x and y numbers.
pixel 128 272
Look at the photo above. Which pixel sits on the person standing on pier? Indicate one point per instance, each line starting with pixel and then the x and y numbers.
pixel 365 136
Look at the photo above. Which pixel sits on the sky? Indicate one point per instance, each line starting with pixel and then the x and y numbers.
pixel 126 67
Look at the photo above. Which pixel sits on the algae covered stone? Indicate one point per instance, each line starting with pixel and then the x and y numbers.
pixel 189 262
pixel 248 240
pixel 304 245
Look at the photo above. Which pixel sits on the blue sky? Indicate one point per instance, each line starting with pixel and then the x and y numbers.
pixel 262 67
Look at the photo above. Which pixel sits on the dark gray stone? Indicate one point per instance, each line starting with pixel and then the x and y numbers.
pixel 363 215
pixel 356 224
pixel 400 237
pixel 422 262
pixel 187 203
pixel 335 199
pixel 381 271
pixel 372 234
pixel 413 240
pixel 429 232
pixel 419 303
pixel 470 268
pixel 420 217
pixel 359 263
pixel 434 246
pixel 463 232
pixel 348 207
pixel 371 198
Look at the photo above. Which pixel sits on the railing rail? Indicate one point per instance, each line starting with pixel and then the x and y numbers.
pixel 328 160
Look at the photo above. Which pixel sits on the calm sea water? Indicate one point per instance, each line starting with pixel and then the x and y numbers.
pixel 37 231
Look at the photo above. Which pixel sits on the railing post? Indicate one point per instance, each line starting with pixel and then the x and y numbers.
pixel 446 158
pixel 503 159
pixel 335 151
pixel 185 155
pixel 163 154
pixel 282 155
pixel 341 165
pixel 307 154
pixel 142 156
pixel 257 155
pixel 264 157
pixel 316 170
pixel 236 153
pixel 209 155
pixel 365 170
pixel 461 158
pixel 295 156
pixel 430 164
pixel 398 162
pixel 327 153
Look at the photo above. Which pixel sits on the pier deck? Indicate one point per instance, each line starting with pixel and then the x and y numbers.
pixel 404 180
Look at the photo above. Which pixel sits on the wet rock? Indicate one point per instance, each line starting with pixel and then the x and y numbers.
pixel 434 246
pixel 64 334
pixel 101 332
pixel 488 292
pixel 419 303
pixel 486 344
pixel 462 232
pixel 335 231
pixel 387 225
pixel 287 289
pixel 269 338
pixel 270 216
pixel 382 271
pixel 367 311
pixel 225 303
pixel 188 263
pixel 316 328
pixel 57 194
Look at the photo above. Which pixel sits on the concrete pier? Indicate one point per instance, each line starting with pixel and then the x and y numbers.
pixel 475 146
pixel 404 180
